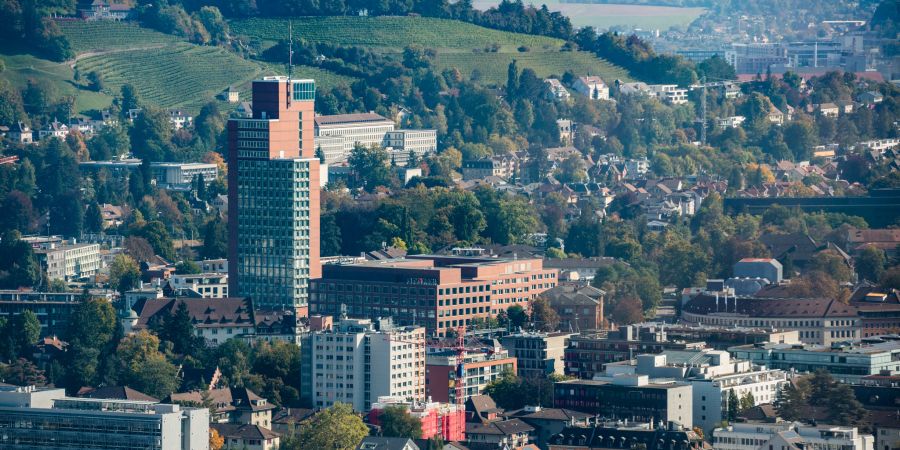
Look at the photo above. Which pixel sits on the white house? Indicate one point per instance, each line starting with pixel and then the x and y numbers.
pixel 592 87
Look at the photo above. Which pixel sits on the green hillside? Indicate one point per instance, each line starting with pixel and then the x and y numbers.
pixel 21 68
pixel 390 32
pixel 492 66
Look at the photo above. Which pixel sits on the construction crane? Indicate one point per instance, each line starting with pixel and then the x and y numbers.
pixel 460 385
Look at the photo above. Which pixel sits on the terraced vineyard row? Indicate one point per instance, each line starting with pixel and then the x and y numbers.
pixel 102 35
pixel 183 75
pixel 492 66
pixel 391 32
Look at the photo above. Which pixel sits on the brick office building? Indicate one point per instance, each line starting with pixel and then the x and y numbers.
pixel 439 292
pixel 273 195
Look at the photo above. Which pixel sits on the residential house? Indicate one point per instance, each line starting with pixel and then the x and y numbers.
pixel 592 87
pixel 113 216
pixel 55 129
pixel 246 437
pixel 669 93
pixel 107 10
pixel 20 133
pixel 555 90
pixel 230 405
pixel 828 109
pixel 511 433
pixel 179 118
pixel 231 95
pixel 565 131
pixel 549 422
pixel 870 97
pixel 886 239
pixel 387 443
pixel 776 116
pixel 730 122
pixel 579 306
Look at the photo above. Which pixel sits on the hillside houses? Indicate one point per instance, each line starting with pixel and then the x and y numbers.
pixel 592 87
pixel 555 90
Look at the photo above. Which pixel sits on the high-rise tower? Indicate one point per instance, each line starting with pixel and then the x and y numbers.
pixel 273 195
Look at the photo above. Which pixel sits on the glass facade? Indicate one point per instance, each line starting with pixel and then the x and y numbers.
pixel 20 429
pixel 304 90
pixel 274 230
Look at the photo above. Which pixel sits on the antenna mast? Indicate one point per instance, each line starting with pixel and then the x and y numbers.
pixel 703 113
pixel 290 48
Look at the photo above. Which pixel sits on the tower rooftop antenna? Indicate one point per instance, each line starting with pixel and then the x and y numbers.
pixel 290 48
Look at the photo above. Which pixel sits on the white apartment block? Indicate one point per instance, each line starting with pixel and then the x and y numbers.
pixel 182 175
pixel 789 436
pixel 713 374
pixel 69 261
pixel 355 363
pixel 205 285
pixel 44 418
pixel 669 93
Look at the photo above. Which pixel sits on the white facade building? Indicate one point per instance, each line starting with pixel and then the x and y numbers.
pixel 713 374
pixel 790 436
pixel 182 175
pixel 69 261
pixel 592 87
pixel 419 141
pixel 35 418
pixel 336 136
pixel 206 285
pixel 356 363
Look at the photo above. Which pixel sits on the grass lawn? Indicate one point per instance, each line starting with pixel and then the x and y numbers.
pixel 20 68
pixel 607 15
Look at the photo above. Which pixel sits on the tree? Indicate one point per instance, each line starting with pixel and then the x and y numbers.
pixel 143 366
pixel 543 315
pixel 716 68
pixel 370 165
pixel 396 421
pixel 734 405
pixel 93 218
pixel 216 441
pixel 820 394
pixel 517 316
pixel 870 263
pixel 747 401
pixel 124 273
pixel 156 235
pixel 92 335
pixel 891 278
pixel 627 310
pixel 18 265
pixel 337 428
pixel 178 329
pixel 23 372
pixel 831 263
pixel 25 329
pixel 215 239
pixel 138 248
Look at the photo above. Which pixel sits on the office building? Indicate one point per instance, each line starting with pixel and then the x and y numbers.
pixel 579 306
pixel 538 354
pixel 790 435
pixel 436 291
pixel 273 195
pixel 847 361
pixel 588 354
pixel 481 367
pixel 632 397
pixel 35 418
pixel 356 362
pixel 420 142
pixel 713 374
pixel 756 58
pixel 336 135
pixel 445 421
pixel 68 261
pixel 768 268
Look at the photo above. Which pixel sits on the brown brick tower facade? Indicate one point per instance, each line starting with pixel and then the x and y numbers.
pixel 273 195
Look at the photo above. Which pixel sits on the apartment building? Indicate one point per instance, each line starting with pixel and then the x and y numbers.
pixel 538 354
pixel 445 421
pixel 69 260
pixel 171 175
pixel 632 397
pixel 53 309
pixel 206 285
pixel 437 291
pixel 336 135
pixel 592 87
pixel 622 434
pixel 35 418
pixel 669 93
pixel 757 435
pixel 713 374
pixel 273 195
pixel 480 368
pixel 846 361
pixel 356 362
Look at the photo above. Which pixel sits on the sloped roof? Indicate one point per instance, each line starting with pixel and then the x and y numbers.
pixel 116 393
pixel 500 427
pixel 771 307
pixel 204 312
pixel 243 431
pixel 387 443
pixel 550 414
pixel 340 119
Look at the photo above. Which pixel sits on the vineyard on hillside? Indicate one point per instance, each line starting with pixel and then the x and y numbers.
pixel 104 35
pixel 391 33
pixel 183 75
